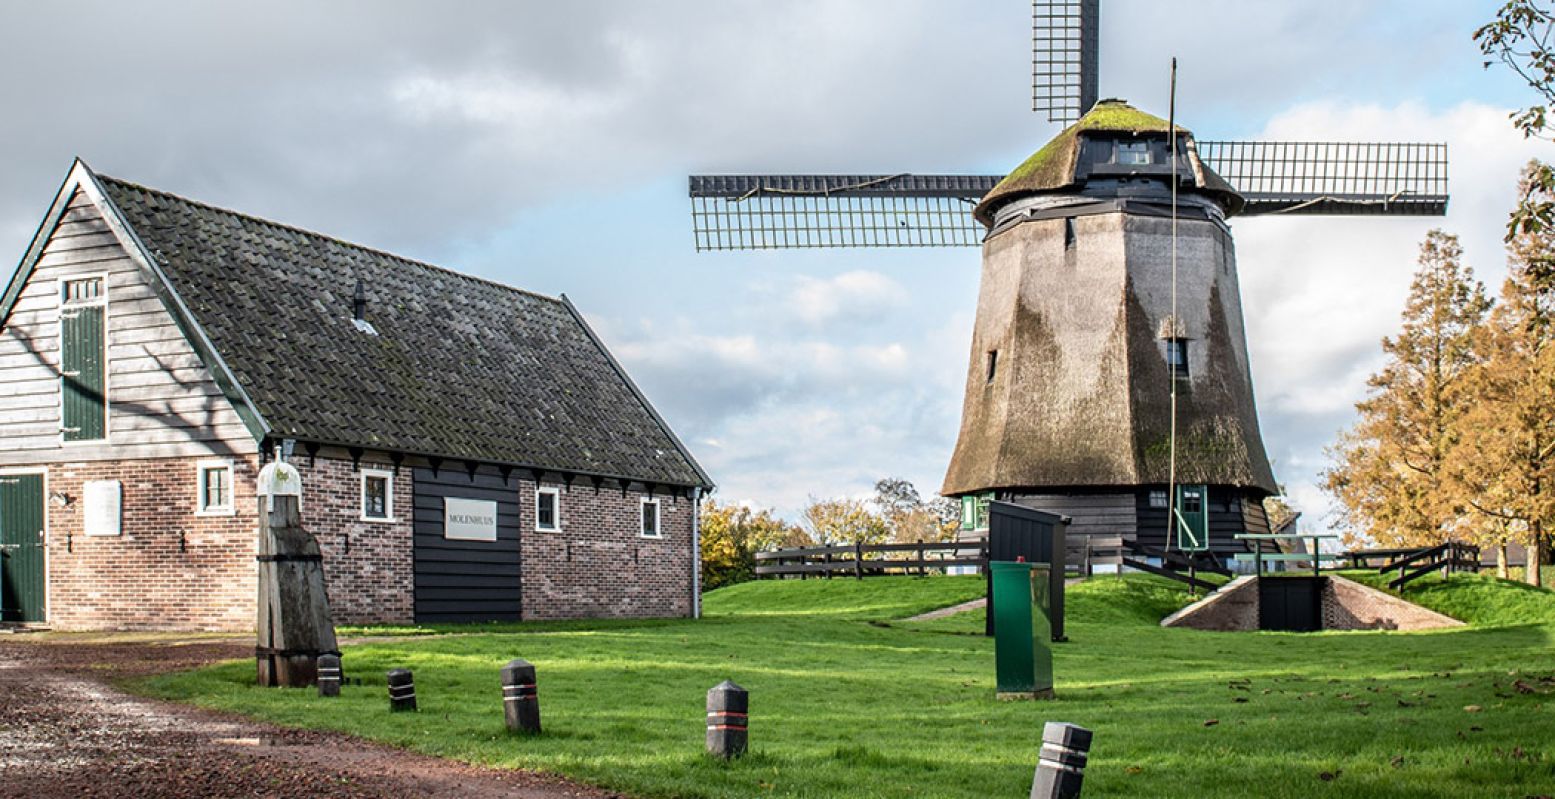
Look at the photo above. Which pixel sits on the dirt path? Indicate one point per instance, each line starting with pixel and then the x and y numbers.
pixel 64 732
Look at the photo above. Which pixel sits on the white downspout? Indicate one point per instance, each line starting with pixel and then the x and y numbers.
pixel 696 552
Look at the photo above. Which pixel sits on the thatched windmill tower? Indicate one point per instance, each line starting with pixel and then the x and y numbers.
pixel 1078 356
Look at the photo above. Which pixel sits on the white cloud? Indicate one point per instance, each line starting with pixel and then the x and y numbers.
pixel 856 296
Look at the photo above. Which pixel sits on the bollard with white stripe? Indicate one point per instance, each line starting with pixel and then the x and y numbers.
pixel 402 690
pixel 728 716
pixel 329 675
pixel 1061 763
pixel 520 697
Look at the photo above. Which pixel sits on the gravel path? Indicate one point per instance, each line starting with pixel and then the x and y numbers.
pixel 65 732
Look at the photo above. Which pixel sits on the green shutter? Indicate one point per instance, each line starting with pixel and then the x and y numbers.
pixel 21 548
pixel 83 410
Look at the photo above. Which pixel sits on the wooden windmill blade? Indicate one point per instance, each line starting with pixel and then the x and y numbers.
pixel 1333 178
pixel 762 212
pixel 1065 55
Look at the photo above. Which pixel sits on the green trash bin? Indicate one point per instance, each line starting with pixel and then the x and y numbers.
pixel 1023 657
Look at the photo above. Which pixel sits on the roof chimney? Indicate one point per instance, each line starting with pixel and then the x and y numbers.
pixel 359 310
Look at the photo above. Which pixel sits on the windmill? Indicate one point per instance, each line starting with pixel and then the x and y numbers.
pixel 1109 377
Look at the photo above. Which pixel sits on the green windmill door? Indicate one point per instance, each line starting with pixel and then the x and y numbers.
pixel 21 548
pixel 1192 518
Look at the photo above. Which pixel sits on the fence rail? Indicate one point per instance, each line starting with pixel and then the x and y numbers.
pixel 1448 558
pixel 868 560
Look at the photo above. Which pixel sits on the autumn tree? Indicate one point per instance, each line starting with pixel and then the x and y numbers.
pixel 731 535
pixel 1504 460
pixel 1388 470
pixel 909 517
pixel 844 521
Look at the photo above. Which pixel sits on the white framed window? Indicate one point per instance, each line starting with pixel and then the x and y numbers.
pixel 548 510
pixel 213 489
pixel 650 519
pixel 1158 498
pixel 377 495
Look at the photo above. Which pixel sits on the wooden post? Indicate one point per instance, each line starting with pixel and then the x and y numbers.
pixel 858 560
pixel 826 560
pixel 294 626
pixel 520 697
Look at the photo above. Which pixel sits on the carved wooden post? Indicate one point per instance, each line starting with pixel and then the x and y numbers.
pixel 294 626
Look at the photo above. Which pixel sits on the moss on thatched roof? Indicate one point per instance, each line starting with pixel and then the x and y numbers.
pixel 1053 167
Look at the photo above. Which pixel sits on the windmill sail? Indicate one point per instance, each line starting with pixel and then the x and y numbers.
pixel 760 212
pixel 1064 57
pixel 1333 178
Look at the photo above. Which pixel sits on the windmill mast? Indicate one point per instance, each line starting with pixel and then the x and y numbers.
pixel 1171 374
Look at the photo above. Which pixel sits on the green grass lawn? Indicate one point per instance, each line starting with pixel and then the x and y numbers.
pixel 848 700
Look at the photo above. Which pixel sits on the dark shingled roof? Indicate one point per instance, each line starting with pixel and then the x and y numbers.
pixel 460 368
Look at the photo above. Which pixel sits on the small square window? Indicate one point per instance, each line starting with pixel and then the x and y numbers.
pixel 1177 356
pixel 548 506
pixel 213 488
pixel 377 496
pixel 1192 501
pixel 650 519
pixel 1134 152
pixel 1158 498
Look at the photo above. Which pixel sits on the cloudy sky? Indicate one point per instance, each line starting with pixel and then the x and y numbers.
pixel 546 145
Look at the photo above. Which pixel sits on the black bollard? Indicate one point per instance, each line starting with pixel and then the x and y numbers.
pixel 728 718
pixel 402 690
pixel 1061 763
pixel 520 697
pixel 329 675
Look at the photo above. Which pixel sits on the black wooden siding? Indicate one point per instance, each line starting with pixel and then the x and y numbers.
pixel 459 581
pixel 1231 511
pixel 1099 520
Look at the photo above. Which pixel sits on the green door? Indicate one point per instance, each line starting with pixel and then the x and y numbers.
pixel 83 408
pixel 1192 518
pixel 21 548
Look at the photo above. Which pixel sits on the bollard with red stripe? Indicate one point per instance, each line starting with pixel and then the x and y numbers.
pixel 520 697
pixel 1061 762
pixel 728 717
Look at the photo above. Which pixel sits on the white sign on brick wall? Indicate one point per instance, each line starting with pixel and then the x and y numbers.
pixel 103 503
pixel 469 519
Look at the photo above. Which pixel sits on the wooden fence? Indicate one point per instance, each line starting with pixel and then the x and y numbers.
pixel 868 560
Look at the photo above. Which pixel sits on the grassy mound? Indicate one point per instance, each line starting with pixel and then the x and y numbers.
pixel 1481 600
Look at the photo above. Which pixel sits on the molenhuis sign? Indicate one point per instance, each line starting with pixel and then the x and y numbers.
pixel 469 519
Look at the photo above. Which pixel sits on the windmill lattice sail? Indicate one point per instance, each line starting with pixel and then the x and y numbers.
pixel 762 212
pixel 1065 38
pixel 1333 178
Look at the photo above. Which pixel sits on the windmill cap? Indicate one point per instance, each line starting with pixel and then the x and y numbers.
pixel 1052 169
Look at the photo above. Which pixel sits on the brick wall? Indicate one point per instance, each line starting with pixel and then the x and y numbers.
pixel 171 569
pixel 1348 605
pixel 367 564
pixel 168 569
pixel 598 565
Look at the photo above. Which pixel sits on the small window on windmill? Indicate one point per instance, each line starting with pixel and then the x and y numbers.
pixel 1177 356
pixel 993 364
pixel 1133 152
pixel 1158 498
pixel 1068 232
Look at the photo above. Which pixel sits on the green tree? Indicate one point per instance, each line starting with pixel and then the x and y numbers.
pixel 731 535
pixel 1388 470
pixel 1504 459
pixel 1521 37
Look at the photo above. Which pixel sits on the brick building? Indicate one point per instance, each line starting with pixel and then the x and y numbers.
pixel 469 451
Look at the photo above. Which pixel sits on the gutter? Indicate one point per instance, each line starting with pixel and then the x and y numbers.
pixel 696 552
